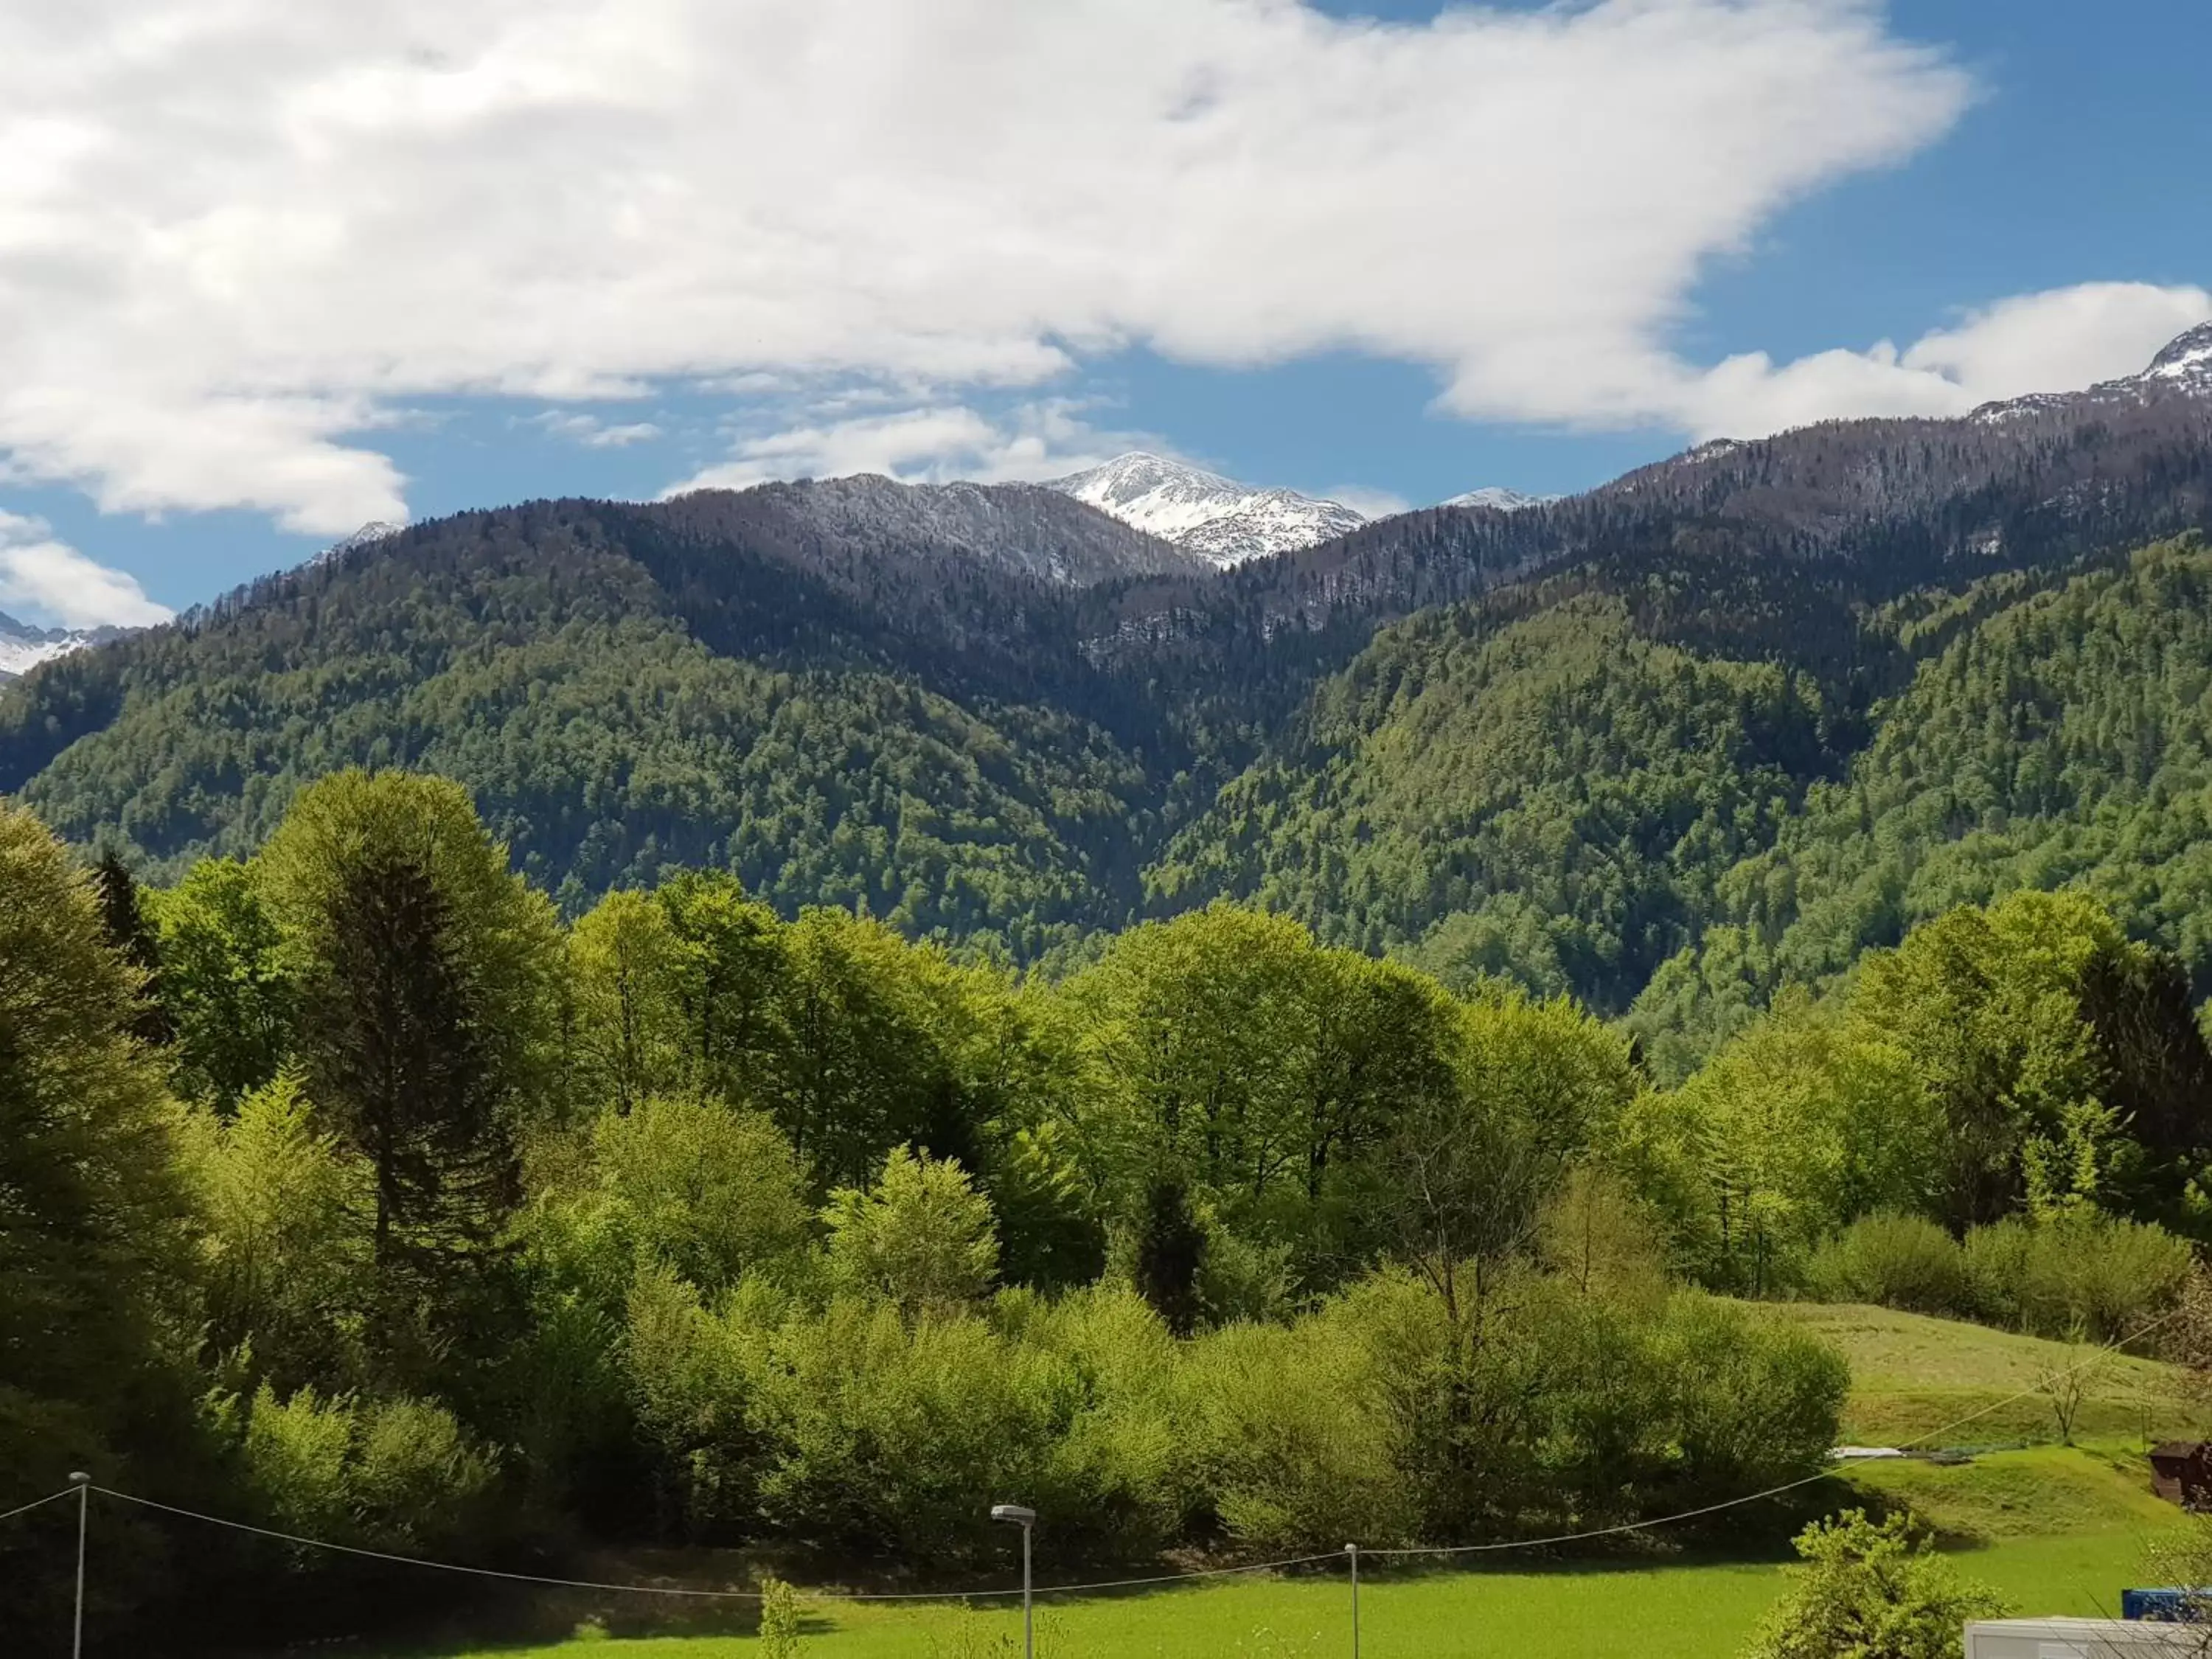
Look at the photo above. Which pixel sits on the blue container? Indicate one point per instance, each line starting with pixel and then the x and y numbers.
pixel 2172 1607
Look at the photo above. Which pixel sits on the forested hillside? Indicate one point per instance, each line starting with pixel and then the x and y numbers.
pixel 1563 743
pixel 2058 737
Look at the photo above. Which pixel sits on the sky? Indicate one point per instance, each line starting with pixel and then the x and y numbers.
pixel 269 273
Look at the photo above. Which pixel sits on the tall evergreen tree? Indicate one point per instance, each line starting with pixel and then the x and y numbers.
pixel 124 917
pixel 394 1055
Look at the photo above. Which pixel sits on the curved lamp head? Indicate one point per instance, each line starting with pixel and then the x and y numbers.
pixel 1013 1515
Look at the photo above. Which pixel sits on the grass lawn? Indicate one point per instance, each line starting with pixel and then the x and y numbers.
pixel 1701 1611
pixel 2054 1530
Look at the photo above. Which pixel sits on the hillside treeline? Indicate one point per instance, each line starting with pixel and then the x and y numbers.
pixel 349 1191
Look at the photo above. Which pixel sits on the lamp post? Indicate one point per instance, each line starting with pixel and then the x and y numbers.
pixel 1352 1554
pixel 83 1482
pixel 1015 1515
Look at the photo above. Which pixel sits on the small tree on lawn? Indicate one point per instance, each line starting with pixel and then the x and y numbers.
pixel 1871 1590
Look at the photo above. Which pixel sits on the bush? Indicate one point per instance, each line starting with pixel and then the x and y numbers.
pixel 1872 1591
pixel 708 1189
pixel 1298 1449
pixel 1894 1261
pixel 2083 1274
pixel 398 1474
pixel 921 1235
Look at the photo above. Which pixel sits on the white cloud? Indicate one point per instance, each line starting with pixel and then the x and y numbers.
pixel 929 445
pixel 593 433
pixel 53 582
pixel 2059 340
pixel 1374 503
pixel 229 240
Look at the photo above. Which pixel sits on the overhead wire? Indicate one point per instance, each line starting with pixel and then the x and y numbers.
pixel 25 1509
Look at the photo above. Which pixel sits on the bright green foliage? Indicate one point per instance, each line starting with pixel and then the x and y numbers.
pixel 91 1210
pixel 286 1234
pixel 498 932
pixel 1871 1590
pixel 1987 1005
pixel 1462 1175
pixel 225 986
pixel 1806 1122
pixel 920 1238
pixel 1905 1261
pixel 731 969
pixel 626 964
pixel 778 1620
pixel 707 1190
pixel 1241 1059
pixel 1382 1414
pixel 395 1474
pixel 2077 1274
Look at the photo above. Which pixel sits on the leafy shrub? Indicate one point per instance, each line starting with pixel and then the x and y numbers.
pixel 708 1189
pixel 1893 1260
pixel 1297 1450
pixel 390 1473
pixel 1874 1591
pixel 2096 1276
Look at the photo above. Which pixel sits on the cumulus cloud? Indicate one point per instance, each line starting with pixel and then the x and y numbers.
pixel 593 433
pixel 2056 341
pixel 1373 503
pixel 53 581
pixel 228 243
pixel 929 445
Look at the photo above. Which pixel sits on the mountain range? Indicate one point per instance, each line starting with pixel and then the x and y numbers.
pixel 23 647
pixel 1722 722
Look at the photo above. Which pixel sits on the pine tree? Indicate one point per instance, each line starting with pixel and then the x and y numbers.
pixel 393 1054
pixel 124 917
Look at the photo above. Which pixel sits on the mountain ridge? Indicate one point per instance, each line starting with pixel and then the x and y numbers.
pixel 843 693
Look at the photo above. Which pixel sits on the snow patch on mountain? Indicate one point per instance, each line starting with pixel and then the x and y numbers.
pixel 1219 519
pixel 23 647
pixel 375 530
pixel 1495 496
pixel 2183 367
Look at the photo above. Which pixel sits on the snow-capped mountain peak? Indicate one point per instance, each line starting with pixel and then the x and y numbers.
pixel 2182 368
pixel 375 530
pixel 2188 359
pixel 1498 498
pixel 23 647
pixel 1216 518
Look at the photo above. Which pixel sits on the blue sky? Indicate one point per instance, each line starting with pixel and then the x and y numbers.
pixel 2018 153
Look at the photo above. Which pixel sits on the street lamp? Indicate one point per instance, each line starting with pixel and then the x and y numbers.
pixel 1014 1515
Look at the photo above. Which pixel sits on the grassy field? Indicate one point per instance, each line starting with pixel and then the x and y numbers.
pixel 1912 1375
pixel 2054 1530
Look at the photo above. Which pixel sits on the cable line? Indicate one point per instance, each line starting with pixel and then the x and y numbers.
pixel 25 1509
